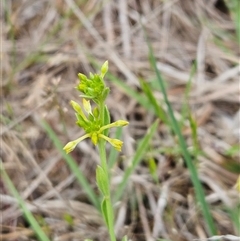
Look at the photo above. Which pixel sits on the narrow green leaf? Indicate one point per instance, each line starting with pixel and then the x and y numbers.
pixel 105 212
pixel 234 7
pixel 153 169
pixel 141 99
pixel 193 126
pixel 101 179
pixel 125 238
pixel 185 107
pixel 233 150
pixel 159 111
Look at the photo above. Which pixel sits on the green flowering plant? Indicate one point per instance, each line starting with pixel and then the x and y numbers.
pixel 96 123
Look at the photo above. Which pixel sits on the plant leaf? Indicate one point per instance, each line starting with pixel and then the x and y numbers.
pixel 101 178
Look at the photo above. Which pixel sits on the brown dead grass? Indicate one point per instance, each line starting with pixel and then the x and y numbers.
pixel 46 43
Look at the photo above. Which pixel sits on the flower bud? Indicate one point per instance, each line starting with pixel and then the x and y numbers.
pixel 82 77
pixel 76 106
pixel 104 69
pixel 87 106
pixel 78 110
pixel 117 144
pixel 121 123
pixel 70 146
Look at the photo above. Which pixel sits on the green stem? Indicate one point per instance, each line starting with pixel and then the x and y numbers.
pixel 103 159
pixel 101 144
pixel 110 215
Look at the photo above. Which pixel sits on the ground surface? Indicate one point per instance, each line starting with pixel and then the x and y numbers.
pixel 46 43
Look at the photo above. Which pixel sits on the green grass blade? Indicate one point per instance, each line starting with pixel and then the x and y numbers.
pixel 235 217
pixel 185 106
pixel 234 7
pixel 73 166
pixel 28 215
pixel 193 172
pixel 186 112
pixel 140 152
pixel 124 238
pixel 159 111
pixel 141 99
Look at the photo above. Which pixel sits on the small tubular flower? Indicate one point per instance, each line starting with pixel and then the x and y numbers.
pixel 114 124
pixel 78 109
pixel 117 144
pixel 70 146
pixel 87 106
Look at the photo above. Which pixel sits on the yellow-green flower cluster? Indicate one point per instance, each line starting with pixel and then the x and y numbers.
pixel 92 126
pixel 90 119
